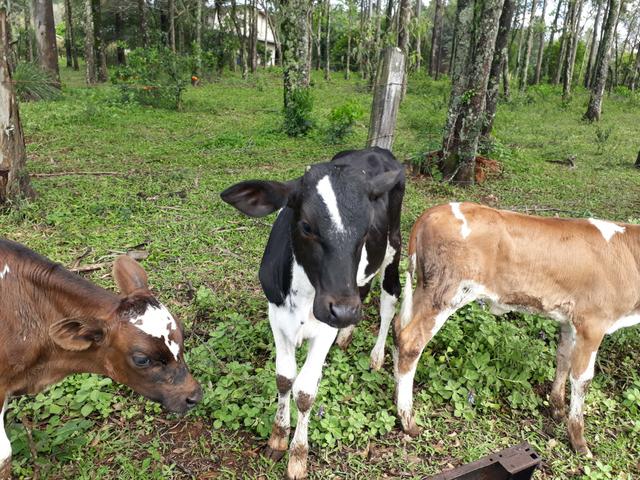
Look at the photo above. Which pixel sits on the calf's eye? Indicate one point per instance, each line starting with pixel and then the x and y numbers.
pixel 141 360
pixel 306 228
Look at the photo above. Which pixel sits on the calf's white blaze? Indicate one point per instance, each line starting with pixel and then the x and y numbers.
pixel 607 229
pixel 5 445
pixel 4 271
pixel 464 229
pixel 328 196
pixel 158 322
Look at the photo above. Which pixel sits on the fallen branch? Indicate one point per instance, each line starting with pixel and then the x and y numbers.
pixel 66 174
pixel 92 267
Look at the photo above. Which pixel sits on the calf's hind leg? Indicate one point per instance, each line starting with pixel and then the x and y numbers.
pixel 5 445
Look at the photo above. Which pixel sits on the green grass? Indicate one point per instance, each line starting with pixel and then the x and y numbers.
pixel 169 169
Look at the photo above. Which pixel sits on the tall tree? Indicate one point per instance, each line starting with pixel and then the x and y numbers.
pixel 602 63
pixel 89 44
pixel 198 40
pixel 500 62
pixel 404 17
pixel 46 38
pixel 118 30
pixel 14 180
pixel 242 38
pixel 327 41
pixel 636 70
pixel 594 42
pixel 171 5
pixel 563 46
pixel 143 30
pixel 434 62
pixel 477 29
pixel 418 35
pixel 524 71
pixel 295 50
pixel 253 35
pixel 575 12
pixel 541 31
pixel 70 38
pixel 552 34
pixel 101 54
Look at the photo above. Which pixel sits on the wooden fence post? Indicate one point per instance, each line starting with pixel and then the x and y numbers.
pixel 386 99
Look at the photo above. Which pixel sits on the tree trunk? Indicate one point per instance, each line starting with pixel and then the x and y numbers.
pixel 347 72
pixel 46 38
pixel 241 39
pixel 89 45
pixel 67 34
pixel 403 26
pixel 118 24
pixel 573 22
pixel 295 50
pixel 418 36
pixel 14 180
pixel 602 63
pixel 499 61
pixel 143 30
pixel 563 47
pixel 470 74
pixel 592 48
pixel 101 55
pixel 541 27
pixel 172 25
pixel 521 42
pixel 327 41
pixel 71 34
pixel 435 39
pixel 319 11
pixel 554 30
pixel 506 80
pixel 524 72
pixel 254 36
pixel 198 39
pixel 636 71
pixel 28 32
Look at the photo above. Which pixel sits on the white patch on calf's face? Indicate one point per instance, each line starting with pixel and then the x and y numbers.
pixel 5 444
pixel 607 229
pixel 158 322
pixel 325 190
pixel 464 229
pixel 4 271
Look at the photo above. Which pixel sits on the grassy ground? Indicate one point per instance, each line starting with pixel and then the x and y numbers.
pixel 483 382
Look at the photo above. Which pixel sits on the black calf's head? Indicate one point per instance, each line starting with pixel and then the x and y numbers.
pixel 333 207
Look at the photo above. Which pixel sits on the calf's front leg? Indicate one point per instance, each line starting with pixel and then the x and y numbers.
pixel 285 376
pixel 5 445
pixel 305 389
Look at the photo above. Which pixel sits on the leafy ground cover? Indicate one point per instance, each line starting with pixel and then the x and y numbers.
pixel 483 382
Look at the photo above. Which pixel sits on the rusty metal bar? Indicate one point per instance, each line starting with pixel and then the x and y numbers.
pixel 515 463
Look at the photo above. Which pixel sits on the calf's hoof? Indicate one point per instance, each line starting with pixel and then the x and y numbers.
pixel 297 467
pixel 376 361
pixel 409 426
pixel 558 413
pixel 582 449
pixel 272 454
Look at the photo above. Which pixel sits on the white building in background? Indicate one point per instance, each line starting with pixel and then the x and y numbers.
pixel 266 37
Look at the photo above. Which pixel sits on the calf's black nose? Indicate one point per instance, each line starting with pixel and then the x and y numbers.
pixel 345 314
pixel 194 398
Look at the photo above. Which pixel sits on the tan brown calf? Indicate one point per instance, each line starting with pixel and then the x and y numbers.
pixel 54 323
pixel 583 273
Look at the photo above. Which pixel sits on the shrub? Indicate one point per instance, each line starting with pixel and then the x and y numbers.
pixel 153 76
pixel 33 83
pixel 297 113
pixel 341 121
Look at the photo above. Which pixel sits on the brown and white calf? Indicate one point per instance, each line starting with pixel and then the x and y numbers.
pixel 54 323
pixel 584 274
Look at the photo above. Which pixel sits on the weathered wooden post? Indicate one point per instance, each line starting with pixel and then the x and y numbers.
pixel 386 99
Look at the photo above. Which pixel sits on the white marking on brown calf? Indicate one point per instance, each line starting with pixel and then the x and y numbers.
pixel 624 322
pixel 325 190
pixel 607 229
pixel 5 444
pixel 158 322
pixel 464 229
pixel 4 271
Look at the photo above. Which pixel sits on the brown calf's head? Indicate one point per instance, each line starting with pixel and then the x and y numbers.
pixel 139 344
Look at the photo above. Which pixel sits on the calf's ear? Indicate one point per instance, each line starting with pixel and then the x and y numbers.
pixel 129 275
pixel 381 184
pixel 76 334
pixel 258 198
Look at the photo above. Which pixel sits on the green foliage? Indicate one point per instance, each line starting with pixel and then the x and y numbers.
pixel 342 120
pixel 153 76
pixel 33 83
pixel 297 112
pixel 602 135
pixel 632 398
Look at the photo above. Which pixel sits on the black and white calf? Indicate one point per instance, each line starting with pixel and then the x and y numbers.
pixel 338 226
